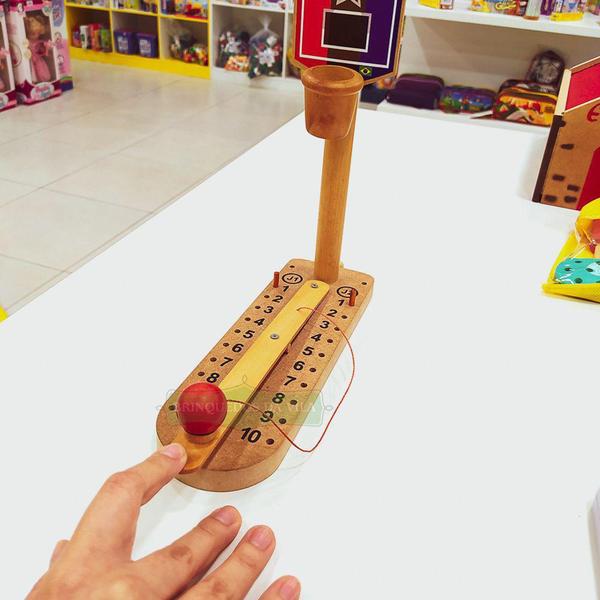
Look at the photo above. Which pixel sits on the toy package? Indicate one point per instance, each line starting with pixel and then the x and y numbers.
pixel 266 53
pixel 457 98
pixel 184 46
pixel 546 69
pixel 378 91
pixel 439 4
pixel 504 7
pixel 418 91
pixel 8 94
pixel 532 100
pixel 35 59
pixel 62 46
pixel 568 10
pixel 576 271
pixel 234 51
pixel 525 106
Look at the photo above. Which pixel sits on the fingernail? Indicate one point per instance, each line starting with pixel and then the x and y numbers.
pixel 174 451
pixel 226 515
pixel 261 537
pixel 290 589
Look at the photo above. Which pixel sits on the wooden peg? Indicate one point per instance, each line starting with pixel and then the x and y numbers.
pixel 331 98
pixel 276 279
pixel 353 294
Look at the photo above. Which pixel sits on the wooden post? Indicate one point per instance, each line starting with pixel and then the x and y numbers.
pixel 331 98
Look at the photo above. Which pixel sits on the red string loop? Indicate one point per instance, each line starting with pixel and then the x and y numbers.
pixel 351 380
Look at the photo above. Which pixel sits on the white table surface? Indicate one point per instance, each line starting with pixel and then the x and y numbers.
pixel 467 457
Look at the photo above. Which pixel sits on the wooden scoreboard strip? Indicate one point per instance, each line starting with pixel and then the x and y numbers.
pixel 269 369
pixel 251 448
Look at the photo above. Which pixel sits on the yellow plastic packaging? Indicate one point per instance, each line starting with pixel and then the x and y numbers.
pixel 3 315
pixel 577 246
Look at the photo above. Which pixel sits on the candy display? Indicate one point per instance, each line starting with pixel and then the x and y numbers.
pixel 234 50
pixel 558 10
pixel 266 54
pixel 93 36
pixel 184 46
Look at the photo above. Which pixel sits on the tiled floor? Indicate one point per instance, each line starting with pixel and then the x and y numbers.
pixel 71 168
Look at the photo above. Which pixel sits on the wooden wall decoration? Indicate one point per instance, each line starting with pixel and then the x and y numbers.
pixel 570 172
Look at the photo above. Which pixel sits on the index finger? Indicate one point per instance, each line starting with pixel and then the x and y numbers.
pixel 109 523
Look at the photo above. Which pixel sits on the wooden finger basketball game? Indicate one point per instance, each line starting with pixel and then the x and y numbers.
pixel 257 385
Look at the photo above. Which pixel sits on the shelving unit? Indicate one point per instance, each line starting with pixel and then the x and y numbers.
pixel 483 49
pixel 141 21
pixel 439 115
pixel 249 18
pixel 588 27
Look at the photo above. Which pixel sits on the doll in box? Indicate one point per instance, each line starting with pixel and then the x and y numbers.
pixel 34 55
pixel 37 30
pixel 8 96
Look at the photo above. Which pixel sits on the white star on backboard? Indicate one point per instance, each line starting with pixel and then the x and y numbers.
pixel 357 2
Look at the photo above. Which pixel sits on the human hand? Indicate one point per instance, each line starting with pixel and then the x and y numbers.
pixel 96 562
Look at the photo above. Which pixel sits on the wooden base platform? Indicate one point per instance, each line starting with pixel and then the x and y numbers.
pixel 251 448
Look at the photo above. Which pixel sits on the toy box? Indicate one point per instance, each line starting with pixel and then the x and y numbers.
pixel 32 33
pixel 125 41
pixel 570 172
pixel 416 90
pixel 147 45
pixel 8 94
pixel 62 45
pixel 576 271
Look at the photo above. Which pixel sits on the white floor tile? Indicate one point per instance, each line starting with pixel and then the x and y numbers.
pixel 37 162
pixel 57 230
pixel 9 190
pixel 105 131
pixel 268 103
pixel 231 125
pixel 201 153
pixel 136 183
pixel 19 279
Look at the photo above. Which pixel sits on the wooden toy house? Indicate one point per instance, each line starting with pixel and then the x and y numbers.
pixel 570 171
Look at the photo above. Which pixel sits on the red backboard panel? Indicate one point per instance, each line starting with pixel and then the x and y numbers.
pixel 363 35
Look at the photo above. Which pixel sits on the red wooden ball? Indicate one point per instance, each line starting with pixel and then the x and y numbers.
pixel 201 408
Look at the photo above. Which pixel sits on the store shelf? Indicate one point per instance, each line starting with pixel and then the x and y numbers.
pixel 589 26
pixel 149 22
pixel 439 115
pixel 86 6
pixel 184 18
pixel 131 11
pixel 275 9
